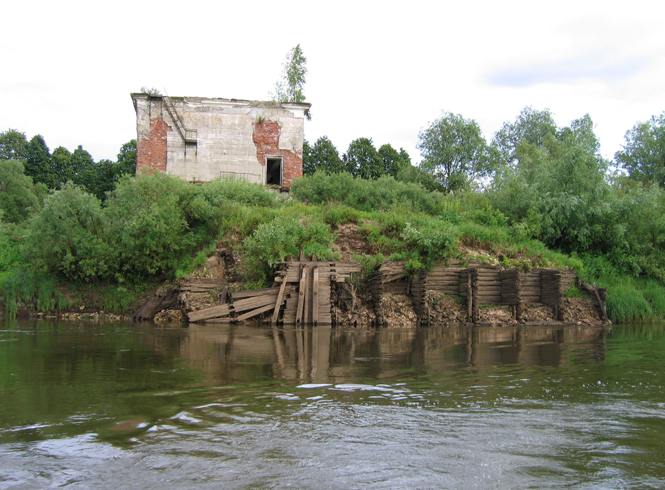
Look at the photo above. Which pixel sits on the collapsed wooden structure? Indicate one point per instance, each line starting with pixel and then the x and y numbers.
pixel 304 288
pixel 301 297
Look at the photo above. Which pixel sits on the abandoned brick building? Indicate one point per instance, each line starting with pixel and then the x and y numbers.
pixel 200 139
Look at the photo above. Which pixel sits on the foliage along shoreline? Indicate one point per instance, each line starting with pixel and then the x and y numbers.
pixel 537 195
pixel 155 228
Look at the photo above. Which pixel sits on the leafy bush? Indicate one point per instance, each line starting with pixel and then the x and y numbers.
pixel 65 237
pixel 340 214
pixel 17 192
pixel 284 236
pixel 237 190
pixel 147 227
pixel 10 249
pixel 368 263
pixel 366 195
pixel 431 241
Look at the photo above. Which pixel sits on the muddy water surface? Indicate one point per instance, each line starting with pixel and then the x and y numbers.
pixel 121 406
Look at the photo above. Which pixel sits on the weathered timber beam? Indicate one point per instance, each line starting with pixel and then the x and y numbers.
pixel 207 313
pixel 315 297
pixel 253 292
pixel 255 312
pixel 278 304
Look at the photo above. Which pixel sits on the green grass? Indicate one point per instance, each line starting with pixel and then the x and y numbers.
pixel 26 289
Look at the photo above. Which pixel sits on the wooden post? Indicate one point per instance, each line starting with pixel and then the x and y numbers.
pixel 315 297
pixel 307 309
pixel 469 297
pixel 301 294
pixel 280 298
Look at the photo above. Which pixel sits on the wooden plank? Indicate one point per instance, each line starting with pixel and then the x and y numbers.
pixel 280 298
pixel 250 303
pixel 224 295
pixel 211 312
pixel 315 297
pixel 249 293
pixel 201 284
pixel 392 277
pixel 289 317
pixel 307 311
pixel 469 297
pixel 255 312
pixel 301 294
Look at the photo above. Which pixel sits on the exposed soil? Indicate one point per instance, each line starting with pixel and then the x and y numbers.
pixel 350 242
pixel 171 316
pixel 581 311
pixel 398 311
pixel 535 313
pixel 495 316
pixel 444 309
pixel 349 308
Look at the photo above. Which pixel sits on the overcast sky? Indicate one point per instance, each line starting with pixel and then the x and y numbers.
pixel 382 70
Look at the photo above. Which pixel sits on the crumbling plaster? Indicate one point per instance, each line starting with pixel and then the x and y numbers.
pixel 226 137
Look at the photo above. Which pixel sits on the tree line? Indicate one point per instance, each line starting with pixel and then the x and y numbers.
pixel 51 170
pixel 549 182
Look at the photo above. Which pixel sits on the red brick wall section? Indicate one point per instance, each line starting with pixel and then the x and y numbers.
pixel 151 151
pixel 266 139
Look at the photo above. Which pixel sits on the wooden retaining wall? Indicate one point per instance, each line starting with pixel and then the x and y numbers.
pixel 302 292
pixel 480 284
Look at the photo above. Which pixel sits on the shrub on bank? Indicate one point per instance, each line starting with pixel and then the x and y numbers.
pixel 366 195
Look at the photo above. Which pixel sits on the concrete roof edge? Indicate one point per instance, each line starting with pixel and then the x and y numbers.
pixel 255 103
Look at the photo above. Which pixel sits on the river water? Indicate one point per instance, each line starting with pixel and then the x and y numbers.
pixel 125 406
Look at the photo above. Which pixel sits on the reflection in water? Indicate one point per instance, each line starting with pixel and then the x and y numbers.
pixel 324 355
pixel 98 406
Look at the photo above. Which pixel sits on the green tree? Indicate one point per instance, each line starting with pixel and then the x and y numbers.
pixel 405 156
pixel 127 159
pixel 289 88
pixel 307 162
pixel 17 196
pixel 392 160
pixel 83 167
pixel 531 127
pixel 13 145
pixel 362 160
pixel 643 154
pixel 416 175
pixel 557 191
pixel 323 156
pixel 100 178
pixel 454 151
pixel 62 168
pixel 575 195
pixel 38 160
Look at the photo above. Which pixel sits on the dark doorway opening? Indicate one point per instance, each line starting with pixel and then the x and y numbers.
pixel 274 171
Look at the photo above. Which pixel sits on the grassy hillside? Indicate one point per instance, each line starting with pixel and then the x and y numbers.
pixel 156 227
